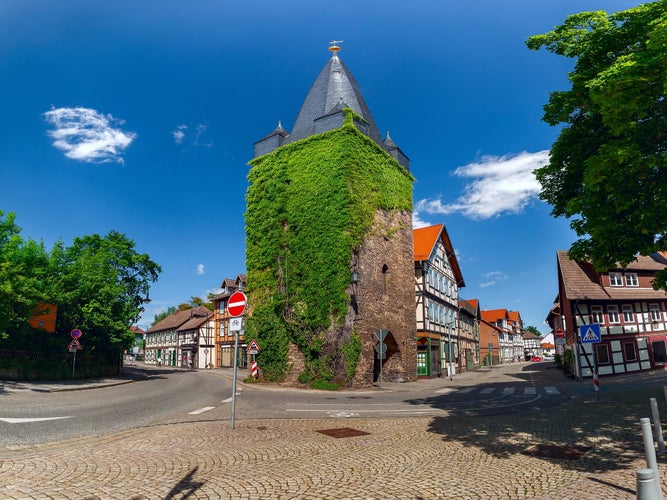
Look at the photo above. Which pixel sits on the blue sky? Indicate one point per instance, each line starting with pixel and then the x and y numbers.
pixel 140 117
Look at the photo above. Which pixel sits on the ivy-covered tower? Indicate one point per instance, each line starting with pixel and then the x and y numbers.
pixel 329 251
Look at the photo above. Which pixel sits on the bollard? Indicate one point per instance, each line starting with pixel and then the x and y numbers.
pixel 657 428
pixel 649 449
pixel 646 483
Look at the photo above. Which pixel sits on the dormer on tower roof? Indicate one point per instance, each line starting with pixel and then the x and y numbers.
pixel 396 152
pixel 271 141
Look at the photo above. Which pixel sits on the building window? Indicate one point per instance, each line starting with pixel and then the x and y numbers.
pixel 615 279
pixel 628 315
pixel 629 351
pixel 655 312
pixel 612 314
pixel 602 352
pixel 631 279
pixel 596 314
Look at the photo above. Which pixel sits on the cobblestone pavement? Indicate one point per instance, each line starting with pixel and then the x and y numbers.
pixel 400 458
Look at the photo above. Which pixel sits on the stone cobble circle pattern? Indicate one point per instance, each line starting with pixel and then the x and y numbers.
pixel 403 458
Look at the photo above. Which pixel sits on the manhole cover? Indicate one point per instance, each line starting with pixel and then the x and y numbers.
pixel 343 432
pixel 566 452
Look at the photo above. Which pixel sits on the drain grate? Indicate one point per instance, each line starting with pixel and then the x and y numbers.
pixel 565 452
pixel 343 432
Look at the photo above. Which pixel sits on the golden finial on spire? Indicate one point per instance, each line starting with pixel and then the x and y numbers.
pixel 334 46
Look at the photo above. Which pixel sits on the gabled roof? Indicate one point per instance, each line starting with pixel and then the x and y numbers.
pixel 530 336
pixel 580 281
pixel 471 306
pixel 334 88
pixel 425 239
pixel 494 315
pixel 173 321
pixel 514 316
pixel 194 322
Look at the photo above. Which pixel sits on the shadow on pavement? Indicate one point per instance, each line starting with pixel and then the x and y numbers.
pixel 608 430
pixel 186 487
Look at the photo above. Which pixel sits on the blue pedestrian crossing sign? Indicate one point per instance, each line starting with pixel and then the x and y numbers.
pixel 589 333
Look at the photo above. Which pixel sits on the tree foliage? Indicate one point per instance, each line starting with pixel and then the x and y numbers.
pixel 608 169
pixel 99 285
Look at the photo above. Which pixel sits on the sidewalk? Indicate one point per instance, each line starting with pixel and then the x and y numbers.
pixel 141 371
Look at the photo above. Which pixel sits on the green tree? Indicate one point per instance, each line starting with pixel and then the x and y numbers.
pixel 534 330
pixel 608 171
pixel 161 315
pixel 101 288
pixel 24 268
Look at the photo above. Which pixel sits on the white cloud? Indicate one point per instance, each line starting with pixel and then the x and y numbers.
pixel 87 135
pixel 178 134
pixel 198 138
pixel 200 269
pixel 492 278
pixel 500 184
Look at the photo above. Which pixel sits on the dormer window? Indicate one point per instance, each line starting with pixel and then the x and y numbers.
pixel 615 279
pixel 631 279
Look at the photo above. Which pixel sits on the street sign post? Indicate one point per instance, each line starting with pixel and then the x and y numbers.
pixel 381 349
pixel 237 304
pixel 74 346
pixel 236 307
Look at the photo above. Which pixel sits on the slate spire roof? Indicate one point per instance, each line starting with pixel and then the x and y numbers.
pixel 334 89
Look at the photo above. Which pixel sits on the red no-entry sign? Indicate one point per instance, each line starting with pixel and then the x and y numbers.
pixel 237 304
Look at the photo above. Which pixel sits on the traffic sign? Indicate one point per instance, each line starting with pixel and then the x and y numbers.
pixel 254 345
pixel 381 349
pixel 76 333
pixel 236 324
pixel 74 345
pixel 589 333
pixel 381 334
pixel 237 304
pixel 560 333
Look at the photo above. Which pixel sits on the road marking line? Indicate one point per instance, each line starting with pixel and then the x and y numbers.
pixel 488 390
pixel 28 420
pixel 551 390
pixel 507 391
pixel 530 391
pixel 388 410
pixel 445 390
pixel 467 389
pixel 201 410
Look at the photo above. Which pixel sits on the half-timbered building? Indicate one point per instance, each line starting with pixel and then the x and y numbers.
pixel 225 338
pixel 437 281
pixel 630 314
pixel 469 317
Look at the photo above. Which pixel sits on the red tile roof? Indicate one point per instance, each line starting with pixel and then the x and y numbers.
pixel 425 239
pixel 493 315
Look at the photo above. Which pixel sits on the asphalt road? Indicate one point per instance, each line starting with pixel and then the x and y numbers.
pixel 32 415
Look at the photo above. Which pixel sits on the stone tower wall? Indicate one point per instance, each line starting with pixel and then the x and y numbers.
pixel 386 298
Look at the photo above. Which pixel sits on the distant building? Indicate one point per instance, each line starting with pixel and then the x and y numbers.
pixel 166 345
pixel 469 336
pixel 502 329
